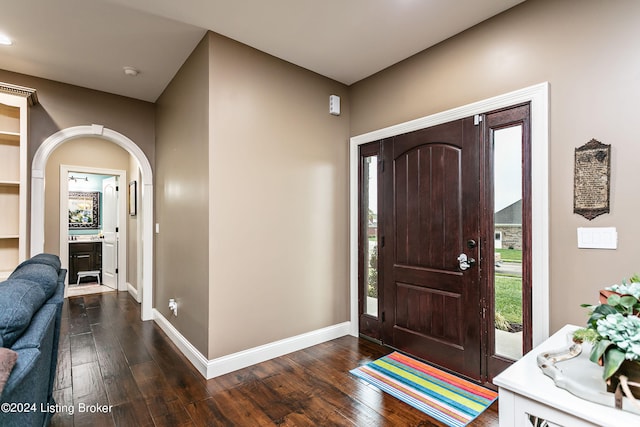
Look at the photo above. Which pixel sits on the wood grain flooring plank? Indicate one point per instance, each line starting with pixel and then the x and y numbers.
pixel 132 346
pixel 116 373
pixel 83 349
pixel 160 398
pixel 88 387
pixel 93 300
pixel 64 400
pixel 89 419
pixel 178 373
pixel 206 413
pixel 63 371
pixel 108 355
pixel 311 389
pixel 89 392
pixel 95 315
pixel 245 375
pixel 273 401
pixel 132 413
pixel 78 322
pixel 239 408
pixel 175 415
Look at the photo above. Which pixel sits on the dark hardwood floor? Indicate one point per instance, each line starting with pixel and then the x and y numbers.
pixel 120 371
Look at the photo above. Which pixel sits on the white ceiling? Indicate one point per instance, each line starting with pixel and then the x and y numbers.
pixel 88 42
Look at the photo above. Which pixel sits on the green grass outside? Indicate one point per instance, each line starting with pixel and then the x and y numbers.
pixel 510 255
pixel 508 290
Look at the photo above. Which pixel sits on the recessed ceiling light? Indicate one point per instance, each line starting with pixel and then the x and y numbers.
pixel 130 71
pixel 5 40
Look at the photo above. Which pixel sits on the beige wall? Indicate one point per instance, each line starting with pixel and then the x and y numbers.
pixel 586 50
pixel 88 152
pixel 61 106
pixel 278 200
pixel 182 199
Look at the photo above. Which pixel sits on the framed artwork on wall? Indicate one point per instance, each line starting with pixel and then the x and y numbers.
pixel 591 179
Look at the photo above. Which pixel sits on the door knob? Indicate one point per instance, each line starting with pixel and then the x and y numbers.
pixel 464 262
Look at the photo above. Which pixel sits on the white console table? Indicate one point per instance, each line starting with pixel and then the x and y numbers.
pixel 526 392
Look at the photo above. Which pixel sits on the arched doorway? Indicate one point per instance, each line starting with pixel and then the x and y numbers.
pixel 38 197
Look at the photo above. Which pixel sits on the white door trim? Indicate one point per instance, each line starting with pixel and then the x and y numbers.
pixel 146 192
pixel 122 217
pixel 538 96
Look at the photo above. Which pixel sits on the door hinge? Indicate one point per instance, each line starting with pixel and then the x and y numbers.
pixel 116 271
pixel 381 165
pixel 477 119
pixel 382 241
pixel 117 229
pixel 382 316
pixel 117 188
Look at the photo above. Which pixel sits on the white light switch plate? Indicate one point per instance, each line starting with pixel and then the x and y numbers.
pixel 597 238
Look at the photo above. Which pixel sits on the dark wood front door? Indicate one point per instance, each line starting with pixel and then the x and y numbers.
pixel 431 198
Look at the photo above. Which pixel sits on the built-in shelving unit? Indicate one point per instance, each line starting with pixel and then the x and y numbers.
pixel 14 104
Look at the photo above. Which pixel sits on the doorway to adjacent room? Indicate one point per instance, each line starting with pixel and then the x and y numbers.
pixel 144 235
pixel 93 229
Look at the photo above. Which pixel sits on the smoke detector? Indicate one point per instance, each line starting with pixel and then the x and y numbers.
pixel 130 71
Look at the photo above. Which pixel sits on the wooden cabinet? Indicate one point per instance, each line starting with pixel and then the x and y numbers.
pixel 84 256
pixel 14 103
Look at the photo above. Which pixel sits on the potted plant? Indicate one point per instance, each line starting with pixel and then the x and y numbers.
pixel 614 330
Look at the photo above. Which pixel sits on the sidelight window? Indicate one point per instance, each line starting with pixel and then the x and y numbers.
pixel 507 190
pixel 370 247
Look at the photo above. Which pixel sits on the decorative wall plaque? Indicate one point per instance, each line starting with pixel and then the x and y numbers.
pixel 592 174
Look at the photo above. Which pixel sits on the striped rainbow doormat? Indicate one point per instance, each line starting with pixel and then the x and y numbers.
pixel 445 397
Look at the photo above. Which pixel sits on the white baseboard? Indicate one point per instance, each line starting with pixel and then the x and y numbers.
pixel 225 364
pixel 242 359
pixel 195 357
pixel 133 291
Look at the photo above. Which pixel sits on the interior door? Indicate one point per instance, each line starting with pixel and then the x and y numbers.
pixel 110 232
pixel 431 195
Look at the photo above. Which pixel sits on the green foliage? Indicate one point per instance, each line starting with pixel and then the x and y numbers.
pixel 508 298
pixel 632 288
pixel 372 291
pixel 510 255
pixel 623 331
pixel 585 335
pixel 617 331
pixel 625 304
pixel 372 279
pixel 611 356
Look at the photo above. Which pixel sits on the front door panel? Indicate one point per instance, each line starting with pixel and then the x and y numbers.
pixel 432 190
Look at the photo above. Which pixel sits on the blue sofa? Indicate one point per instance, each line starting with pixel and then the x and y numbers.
pixel 30 311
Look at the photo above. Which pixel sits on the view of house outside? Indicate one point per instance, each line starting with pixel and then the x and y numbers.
pixel 507 190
